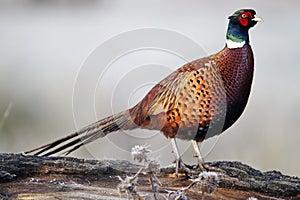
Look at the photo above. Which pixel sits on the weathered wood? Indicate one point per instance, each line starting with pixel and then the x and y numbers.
pixel 32 177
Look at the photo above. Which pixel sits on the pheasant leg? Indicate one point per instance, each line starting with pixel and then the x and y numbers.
pixel 198 155
pixel 178 159
pixel 201 164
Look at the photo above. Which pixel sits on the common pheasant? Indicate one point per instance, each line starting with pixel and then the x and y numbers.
pixel 199 100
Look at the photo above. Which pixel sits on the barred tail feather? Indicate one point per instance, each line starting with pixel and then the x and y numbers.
pixel 85 135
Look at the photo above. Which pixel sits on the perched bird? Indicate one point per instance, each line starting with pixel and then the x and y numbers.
pixel 199 100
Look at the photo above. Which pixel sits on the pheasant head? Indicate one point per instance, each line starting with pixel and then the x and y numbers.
pixel 239 24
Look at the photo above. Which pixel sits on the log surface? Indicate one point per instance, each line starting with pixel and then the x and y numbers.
pixel 33 177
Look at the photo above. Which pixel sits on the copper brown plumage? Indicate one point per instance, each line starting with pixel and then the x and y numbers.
pixel 199 100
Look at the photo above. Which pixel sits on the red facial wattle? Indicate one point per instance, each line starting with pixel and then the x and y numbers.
pixel 244 18
pixel 244 22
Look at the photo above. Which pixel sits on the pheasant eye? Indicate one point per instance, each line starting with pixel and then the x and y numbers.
pixel 244 15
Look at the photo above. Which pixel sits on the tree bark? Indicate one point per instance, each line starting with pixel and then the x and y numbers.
pixel 33 177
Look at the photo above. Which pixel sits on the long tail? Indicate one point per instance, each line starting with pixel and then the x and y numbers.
pixel 85 135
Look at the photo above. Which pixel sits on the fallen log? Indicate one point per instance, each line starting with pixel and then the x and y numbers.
pixel 34 177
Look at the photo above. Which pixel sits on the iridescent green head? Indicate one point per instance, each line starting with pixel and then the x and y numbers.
pixel 240 23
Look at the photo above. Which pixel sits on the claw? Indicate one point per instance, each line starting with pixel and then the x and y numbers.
pixel 213 169
pixel 179 163
pixel 201 165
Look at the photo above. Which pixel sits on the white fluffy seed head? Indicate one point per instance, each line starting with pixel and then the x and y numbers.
pixel 139 152
pixel 212 176
pixel 206 182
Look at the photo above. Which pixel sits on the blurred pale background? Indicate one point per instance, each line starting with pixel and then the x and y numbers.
pixel 45 43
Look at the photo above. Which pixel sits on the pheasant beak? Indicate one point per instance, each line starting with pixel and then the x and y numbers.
pixel 257 19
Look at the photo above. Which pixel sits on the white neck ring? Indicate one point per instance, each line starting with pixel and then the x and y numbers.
pixel 233 45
